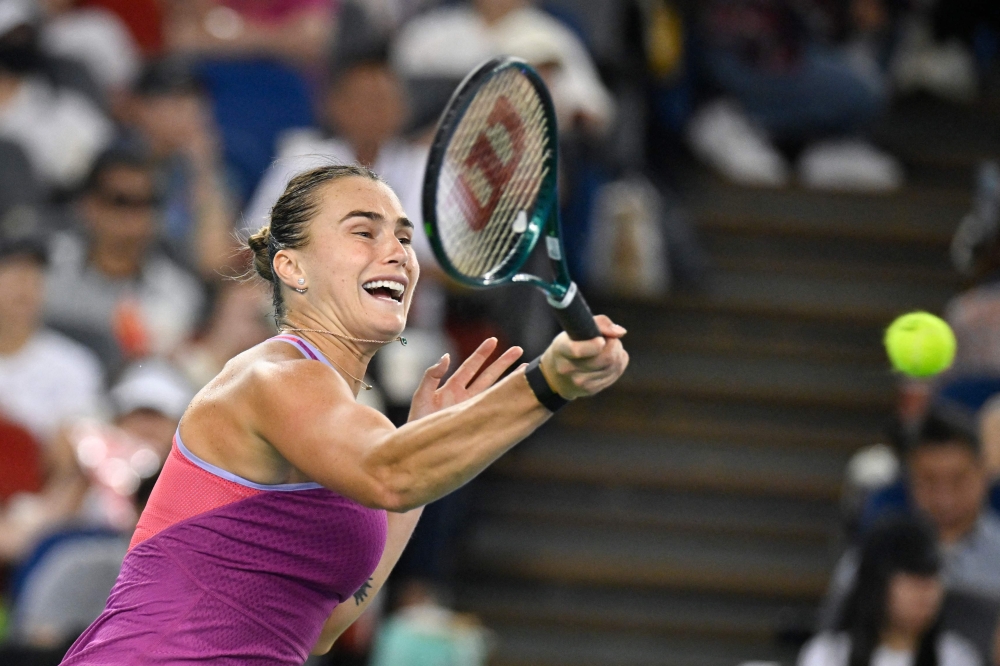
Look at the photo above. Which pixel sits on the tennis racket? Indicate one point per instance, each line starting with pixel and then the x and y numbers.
pixel 490 188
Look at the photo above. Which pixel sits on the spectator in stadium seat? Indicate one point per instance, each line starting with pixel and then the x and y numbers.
pixel 96 38
pixel 173 117
pixel 240 319
pixel 451 41
pixel 46 379
pixel 60 130
pixel 946 481
pixel 109 285
pixel 365 107
pixel 782 81
pixel 297 31
pixel 892 613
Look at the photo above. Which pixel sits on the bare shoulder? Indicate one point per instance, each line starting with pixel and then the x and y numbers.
pixel 265 390
pixel 265 380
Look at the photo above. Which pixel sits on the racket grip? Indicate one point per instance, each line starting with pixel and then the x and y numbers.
pixel 574 315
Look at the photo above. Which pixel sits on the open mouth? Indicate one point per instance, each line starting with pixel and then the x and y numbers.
pixel 386 289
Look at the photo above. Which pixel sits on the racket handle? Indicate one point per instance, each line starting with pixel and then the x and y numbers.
pixel 574 315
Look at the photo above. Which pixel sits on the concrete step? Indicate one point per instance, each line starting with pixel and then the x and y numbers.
pixel 640 558
pixel 676 464
pixel 597 505
pixel 749 422
pixel 813 297
pixel 776 379
pixel 521 645
pixel 755 250
pixel 616 609
pixel 666 329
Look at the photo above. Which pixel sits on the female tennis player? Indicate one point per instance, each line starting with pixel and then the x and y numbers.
pixel 284 504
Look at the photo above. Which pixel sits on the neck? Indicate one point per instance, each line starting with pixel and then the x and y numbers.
pixel 115 264
pixel 951 535
pixel 13 337
pixel 348 355
pixel 900 639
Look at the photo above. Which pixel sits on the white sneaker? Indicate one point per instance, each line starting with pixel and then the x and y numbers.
pixel 947 70
pixel 849 165
pixel 721 135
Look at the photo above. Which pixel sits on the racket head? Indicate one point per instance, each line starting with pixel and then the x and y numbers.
pixel 490 184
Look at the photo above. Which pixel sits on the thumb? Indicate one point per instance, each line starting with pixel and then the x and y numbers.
pixel 432 377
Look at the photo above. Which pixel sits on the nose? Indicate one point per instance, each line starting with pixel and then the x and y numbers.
pixel 396 252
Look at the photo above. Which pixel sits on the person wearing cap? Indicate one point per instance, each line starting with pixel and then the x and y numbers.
pixel 60 130
pixel 170 112
pixel 452 40
pixel 110 285
pixel 45 378
pixel 892 615
pixel 149 400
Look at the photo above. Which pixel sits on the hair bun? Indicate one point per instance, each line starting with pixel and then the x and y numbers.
pixel 260 245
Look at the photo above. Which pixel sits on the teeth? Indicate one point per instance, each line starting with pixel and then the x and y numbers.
pixel 396 287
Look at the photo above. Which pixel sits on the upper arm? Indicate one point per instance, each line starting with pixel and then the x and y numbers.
pixel 308 414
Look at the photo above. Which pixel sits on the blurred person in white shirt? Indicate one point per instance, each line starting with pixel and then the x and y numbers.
pixel 60 130
pixel 46 379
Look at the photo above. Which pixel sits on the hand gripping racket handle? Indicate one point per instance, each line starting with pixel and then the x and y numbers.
pixel 574 315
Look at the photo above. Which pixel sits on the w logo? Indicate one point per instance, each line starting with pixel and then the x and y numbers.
pixel 491 164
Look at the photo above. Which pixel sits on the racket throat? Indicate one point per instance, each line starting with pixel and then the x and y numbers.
pixel 557 295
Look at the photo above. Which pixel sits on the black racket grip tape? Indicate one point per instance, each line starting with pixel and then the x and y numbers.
pixel 576 319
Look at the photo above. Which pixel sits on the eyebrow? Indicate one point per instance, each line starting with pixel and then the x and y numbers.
pixel 376 217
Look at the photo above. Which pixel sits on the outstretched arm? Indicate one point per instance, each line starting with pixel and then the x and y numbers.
pixel 355 451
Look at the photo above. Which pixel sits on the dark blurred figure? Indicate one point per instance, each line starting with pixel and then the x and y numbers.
pixel 946 482
pixel 109 285
pixel 782 80
pixel 173 117
pixel 60 130
pixel 892 613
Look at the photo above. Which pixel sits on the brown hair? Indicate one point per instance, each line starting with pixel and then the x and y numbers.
pixel 290 217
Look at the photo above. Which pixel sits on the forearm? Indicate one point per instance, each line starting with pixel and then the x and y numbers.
pixel 430 457
pixel 401 526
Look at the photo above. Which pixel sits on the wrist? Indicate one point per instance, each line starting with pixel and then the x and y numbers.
pixel 542 387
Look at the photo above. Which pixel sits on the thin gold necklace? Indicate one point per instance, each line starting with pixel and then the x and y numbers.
pixel 367 386
pixel 398 338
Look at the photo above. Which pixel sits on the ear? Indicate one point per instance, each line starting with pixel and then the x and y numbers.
pixel 287 268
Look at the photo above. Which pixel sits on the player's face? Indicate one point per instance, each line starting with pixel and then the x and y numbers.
pixel 359 262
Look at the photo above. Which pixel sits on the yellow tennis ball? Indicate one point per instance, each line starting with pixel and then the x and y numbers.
pixel 920 344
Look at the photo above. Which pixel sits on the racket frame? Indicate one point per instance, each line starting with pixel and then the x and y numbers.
pixel 544 216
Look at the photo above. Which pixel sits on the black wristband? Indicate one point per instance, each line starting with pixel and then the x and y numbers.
pixel 551 400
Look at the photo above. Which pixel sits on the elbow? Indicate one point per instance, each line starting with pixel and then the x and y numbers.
pixel 393 491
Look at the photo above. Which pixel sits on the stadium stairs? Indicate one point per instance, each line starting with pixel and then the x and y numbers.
pixel 690 516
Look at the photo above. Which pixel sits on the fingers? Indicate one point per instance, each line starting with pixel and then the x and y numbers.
pixel 608 328
pixel 463 376
pixel 495 370
pixel 432 378
pixel 582 349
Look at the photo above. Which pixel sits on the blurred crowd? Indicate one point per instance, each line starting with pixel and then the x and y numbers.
pixel 141 139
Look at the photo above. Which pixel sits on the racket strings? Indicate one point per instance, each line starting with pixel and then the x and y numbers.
pixel 478 203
